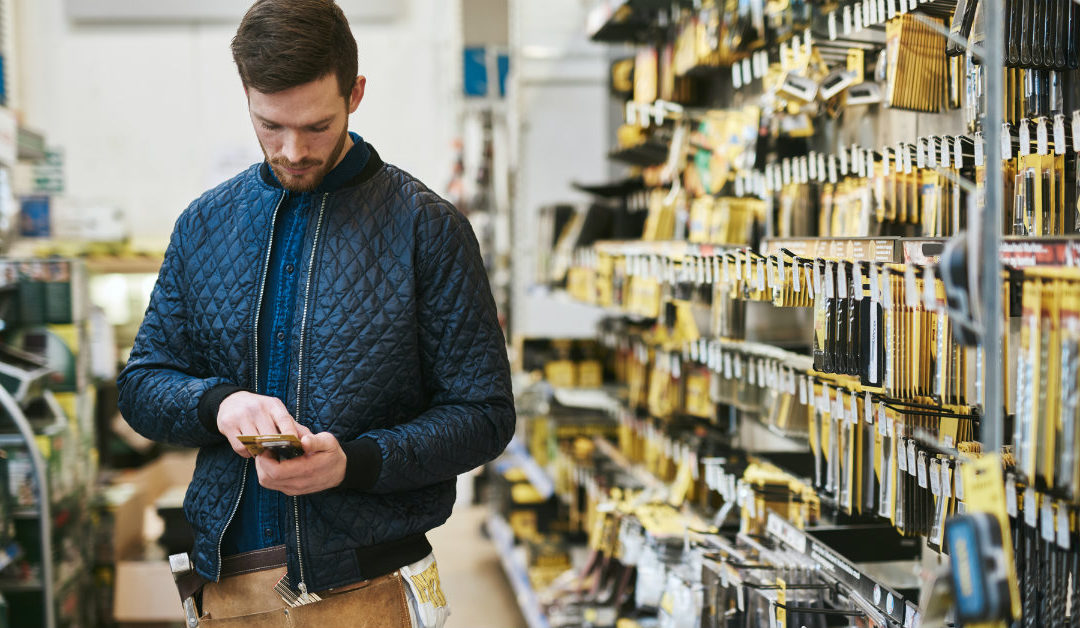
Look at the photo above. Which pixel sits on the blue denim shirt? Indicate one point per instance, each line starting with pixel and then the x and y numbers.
pixel 262 517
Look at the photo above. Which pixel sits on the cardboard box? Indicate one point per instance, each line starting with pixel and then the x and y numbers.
pixel 145 594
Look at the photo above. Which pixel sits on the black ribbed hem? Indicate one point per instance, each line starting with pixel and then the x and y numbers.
pixel 363 463
pixel 379 560
pixel 211 401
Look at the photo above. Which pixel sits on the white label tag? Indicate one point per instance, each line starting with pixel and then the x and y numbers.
pixel 1063 525
pixel 958 152
pixel 1006 142
pixel 1031 509
pixel 1059 134
pixel 1025 139
pixel 728 370
pixel 830 281
pixel 1042 143
pixel 747 71
pixel 912 462
pixel 821 167
pixel 736 76
pixel 946 479
pixel 832 169
pixel 890 11
pixel 796 282
pixel 1010 496
pixel 911 291
pixel 847 19
pixel 841 281
pixel 885 161
pixel 1076 130
pixel 1046 519
pixel 907 160
pixel 843 162
pixel 958 483
pixel 882 428
pixel 901 455
pixel 857 281
pixel 859 25
pixel 812 166
pixel 980 158
pixel 935 477
pixel 946 152
pixel 920 153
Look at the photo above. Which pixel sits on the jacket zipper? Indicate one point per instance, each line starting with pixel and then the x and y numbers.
pixel 299 378
pixel 254 374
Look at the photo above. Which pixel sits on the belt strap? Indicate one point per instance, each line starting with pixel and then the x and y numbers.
pixel 255 560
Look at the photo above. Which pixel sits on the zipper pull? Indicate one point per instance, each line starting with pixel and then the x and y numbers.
pixel 305 597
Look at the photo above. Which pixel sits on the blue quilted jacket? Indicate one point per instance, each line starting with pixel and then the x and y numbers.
pixel 399 352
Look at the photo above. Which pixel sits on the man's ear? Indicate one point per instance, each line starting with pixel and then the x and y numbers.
pixel 357 93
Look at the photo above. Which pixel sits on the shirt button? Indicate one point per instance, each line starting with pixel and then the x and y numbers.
pixel 281 336
pixel 289 268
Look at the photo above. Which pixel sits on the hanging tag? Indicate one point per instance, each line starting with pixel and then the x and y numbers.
pixel 832 169
pixel 885 161
pixel 796 284
pixel 747 71
pixel 804 169
pixel 929 294
pixel 1031 508
pixel 946 480
pixel 931 152
pixel 935 477
pixel 958 152
pixel 902 455
pixel 631 113
pixel 920 153
pixel 847 19
pixel 1042 143
pixel 946 152
pixel 821 167
pixel 802 391
pixel 979 150
pixel 1059 134
pixel 738 186
pixel 736 76
pixel 843 163
pixel 761 276
pixel 881 421
pixel 841 281
pixel 858 20
pixel 891 9
pixel 1076 130
pixel 812 166
pixel 1006 142
pixel 830 281
pixel 875 287
pixel 870 11
pixel 1025 139
pixel 913 464
pixel 1047 521
pixel 1010 496
pixel 868 409
pixel 958 481
pixel 1063 525
pixel 857 161
pixel 728 367
pixel 911 291
pixel 832 25
pixel 786 169
pixel 857 280
pixel 907 160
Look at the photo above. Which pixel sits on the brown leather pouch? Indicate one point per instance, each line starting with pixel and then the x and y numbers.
pixel 248 601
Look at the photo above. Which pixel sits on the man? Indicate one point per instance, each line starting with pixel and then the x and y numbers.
pixel 330 296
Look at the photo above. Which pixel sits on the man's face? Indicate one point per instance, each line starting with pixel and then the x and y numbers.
pixel 303 130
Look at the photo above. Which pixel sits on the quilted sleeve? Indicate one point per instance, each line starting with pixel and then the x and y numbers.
pixel 159 388
pixel 471 415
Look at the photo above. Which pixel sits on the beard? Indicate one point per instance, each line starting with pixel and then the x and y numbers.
pixel 306 182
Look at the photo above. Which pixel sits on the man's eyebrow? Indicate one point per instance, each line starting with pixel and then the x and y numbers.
pixel 322 122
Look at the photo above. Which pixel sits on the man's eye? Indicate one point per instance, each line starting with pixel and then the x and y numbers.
pixel 270 127
pixel 321 129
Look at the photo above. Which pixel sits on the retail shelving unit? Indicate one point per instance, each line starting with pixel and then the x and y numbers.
pixel 910 367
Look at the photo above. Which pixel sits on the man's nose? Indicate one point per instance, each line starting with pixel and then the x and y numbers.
pixel 293 148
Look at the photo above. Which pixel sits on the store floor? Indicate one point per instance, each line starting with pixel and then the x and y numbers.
pixel 470 572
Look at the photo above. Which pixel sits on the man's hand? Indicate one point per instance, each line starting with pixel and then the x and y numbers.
pixel 250 414
pixel 321 467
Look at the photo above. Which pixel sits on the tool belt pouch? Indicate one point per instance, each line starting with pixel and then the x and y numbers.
pixel 378 603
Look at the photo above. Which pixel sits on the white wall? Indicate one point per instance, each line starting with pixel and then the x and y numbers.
pixel 149 115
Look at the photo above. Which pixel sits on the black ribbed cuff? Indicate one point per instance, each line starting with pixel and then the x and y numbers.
pixel 363 463
pixel 211 401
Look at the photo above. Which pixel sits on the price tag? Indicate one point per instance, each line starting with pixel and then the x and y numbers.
pixel 804 169
pixel 946 480
pixel 1010 496
pixel 920 153
pixel 821 167
pixel 871 12
pixel 904 6
pixel 901 455
pixel 958 482
pixel 1025 139
pixel 736 76
pixel 841 281
pixel 875 287
pixel 868 409
pixel 958 152
pixel 1059 134
pixel 830 281
pixel 881 419
pixel 885 161
pixel 1063 525
pixel 738 267
pixel 786 169
pixel 1042 143
pixel 929 294
pixel 935 477
pixel 1076 130
pixel 1031 509
pixel 812 166
pixel 832 169
pixel 847 19
pixel 912 462
pixel 911 291
pixel 843 162
pixel 946 152
pixel 1006 142
pixel 747 71
pixel 728 367
pixel 859 25
pixel 980 158
pixel 631 113
pixel 891 9
pixel 857 161
pixel 1047 521
pixel 907 160
pixel 857 281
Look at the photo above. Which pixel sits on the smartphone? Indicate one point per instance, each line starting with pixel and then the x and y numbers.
pixel 283 446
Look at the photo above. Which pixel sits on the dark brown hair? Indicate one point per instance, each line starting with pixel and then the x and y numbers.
pixel 285 43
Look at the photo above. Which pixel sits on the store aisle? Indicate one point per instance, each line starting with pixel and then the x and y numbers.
pixel 472 578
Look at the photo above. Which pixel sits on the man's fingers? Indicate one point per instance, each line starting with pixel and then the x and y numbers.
pixel 302 431
pixel 323 441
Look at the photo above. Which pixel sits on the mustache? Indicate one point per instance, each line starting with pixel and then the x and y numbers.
pixel 307 163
